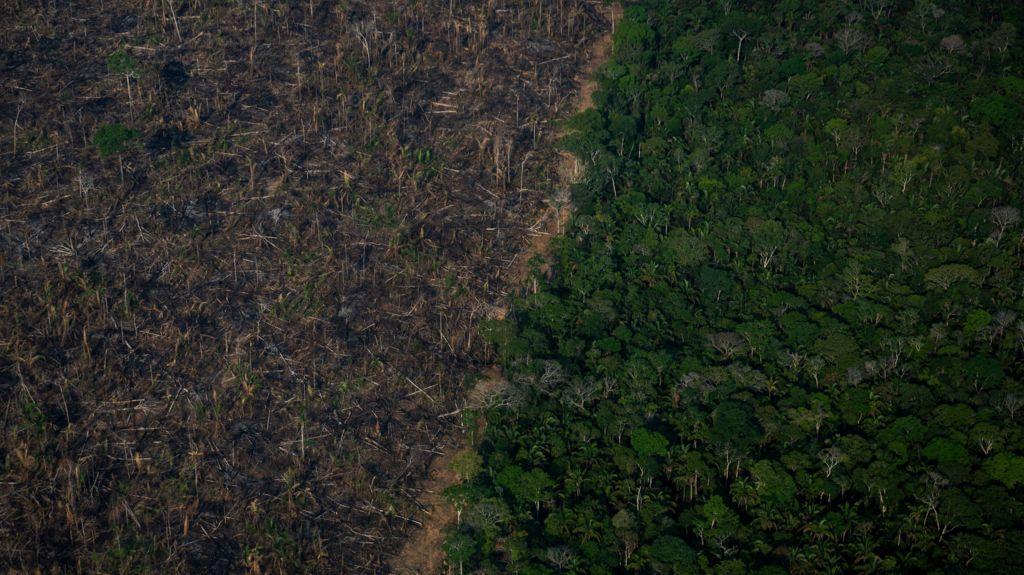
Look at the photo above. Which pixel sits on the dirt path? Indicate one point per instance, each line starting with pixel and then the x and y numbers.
pixel 422 553
pixel 557 214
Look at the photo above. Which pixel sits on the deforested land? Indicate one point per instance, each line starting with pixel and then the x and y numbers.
pixel 244 248
pixel 536 287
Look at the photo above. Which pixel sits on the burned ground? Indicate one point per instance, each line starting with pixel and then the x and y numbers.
pixel 226 341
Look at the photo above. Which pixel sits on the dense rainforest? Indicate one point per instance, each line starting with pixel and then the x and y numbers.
pixel 784 332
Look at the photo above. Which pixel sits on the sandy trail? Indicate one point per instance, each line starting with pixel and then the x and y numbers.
pixel 422 553
pixel 557 214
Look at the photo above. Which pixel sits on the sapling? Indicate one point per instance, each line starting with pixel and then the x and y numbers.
pixel 112 139
pixel 123 63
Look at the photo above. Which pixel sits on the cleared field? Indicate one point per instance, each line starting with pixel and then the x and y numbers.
pixel 243 248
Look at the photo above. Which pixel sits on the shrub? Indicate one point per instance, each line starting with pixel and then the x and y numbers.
pixel 113 139
pixel 122 63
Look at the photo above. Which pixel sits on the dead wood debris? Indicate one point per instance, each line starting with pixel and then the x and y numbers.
pixel 207 340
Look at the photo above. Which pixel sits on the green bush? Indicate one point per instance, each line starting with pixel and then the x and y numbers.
pixel 113 139
pixel 122 63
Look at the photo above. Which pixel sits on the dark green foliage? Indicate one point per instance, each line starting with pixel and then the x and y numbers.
pixel 784 334
pixel 123 63
pixel 647 443
pixel 112 139
pixel 673 553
